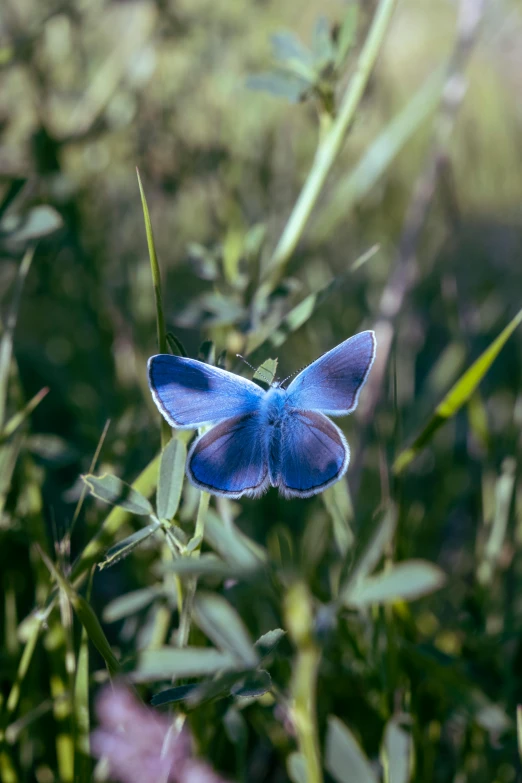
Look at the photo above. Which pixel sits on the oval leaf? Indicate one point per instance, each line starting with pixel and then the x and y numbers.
pixel 115 491
pixel 125 547
pixel 407 581
pixel 396 753
pixel 167 662
pixel 344 758
pixel 223 626
pixel 130 603
pixel 172 473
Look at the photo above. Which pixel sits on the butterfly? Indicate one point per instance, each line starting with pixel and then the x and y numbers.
pixel 279 437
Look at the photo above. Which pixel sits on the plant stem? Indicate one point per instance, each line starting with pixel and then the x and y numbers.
pixel 304 711
pixel 192 583
pixel 299 621
pixel 330 145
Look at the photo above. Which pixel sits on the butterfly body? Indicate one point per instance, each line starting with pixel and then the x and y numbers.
pixel 280 437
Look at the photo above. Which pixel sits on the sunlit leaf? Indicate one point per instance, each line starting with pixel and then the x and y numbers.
pixel 346 34
pixel 296 768
pixel 339 505
pixel 233 546
pixel 223 626
pixel 266 372
pixel 115 491
pixel 281 85
pixel 39 222
pixel 129 603
pixel 344 759
pixel 459 394
pixel 167 662
pixel 172 474
pixel 269 641
pixel 396 753
pixel 322 46
pixel 407 581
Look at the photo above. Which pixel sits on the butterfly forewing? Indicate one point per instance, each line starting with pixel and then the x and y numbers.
pixel 190 393
pixel 332 383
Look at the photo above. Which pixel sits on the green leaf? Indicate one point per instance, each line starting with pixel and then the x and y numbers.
pixel 145 484
pixel 39 222
pixel 380 540
pixel 458 395
pixel 175 345
pixel 115 491
pixel 18 419
pixel 344 759
pixel 215 688
pixel 396 753
pixel 296 768
pixel 339 506
pixel 6 342
pixel 281 85
pixel 223 626
pixel 266 372
pixel 347 33
pixel 129 603
pixel 288 49
pixel 125 547
pixel 407 581
pixel 167 662
pixel 172 695
pixel 233 546
pixel 172 474
pixel 322 46
pixel 207 352
pixel 207 565
pixel 269 641
pixel 252 686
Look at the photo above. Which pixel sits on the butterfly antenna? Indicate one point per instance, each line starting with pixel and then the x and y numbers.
pixel 244 360
pixel 296 372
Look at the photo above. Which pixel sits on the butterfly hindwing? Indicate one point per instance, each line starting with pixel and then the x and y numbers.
pixel 333 382
pixel 313 454
pixel 190 393
pixel 231 458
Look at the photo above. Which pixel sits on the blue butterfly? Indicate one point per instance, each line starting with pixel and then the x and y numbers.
pixel 279 437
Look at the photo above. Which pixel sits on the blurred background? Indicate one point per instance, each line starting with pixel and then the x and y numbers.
pixel 186 92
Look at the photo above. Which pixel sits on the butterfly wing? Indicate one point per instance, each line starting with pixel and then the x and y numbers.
pixel 333 382
pixel 312 456
pixel 189 393
pixel 231 458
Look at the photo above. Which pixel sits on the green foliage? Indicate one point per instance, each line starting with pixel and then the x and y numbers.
pixel 391 601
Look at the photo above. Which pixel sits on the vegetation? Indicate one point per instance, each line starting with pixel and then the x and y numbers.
pixel 294 187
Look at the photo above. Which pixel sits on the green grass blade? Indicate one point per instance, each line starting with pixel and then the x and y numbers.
pixel 156 281
pixel 86 615
pixel 407 581
pixel 458 395
pixel 6 343
pixel 18 419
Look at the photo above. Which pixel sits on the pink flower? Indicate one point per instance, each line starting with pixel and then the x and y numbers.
pixel 143 746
